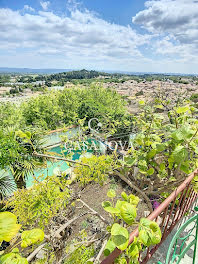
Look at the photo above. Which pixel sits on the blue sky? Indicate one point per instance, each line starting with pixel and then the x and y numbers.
pixel 124 35
pixel 116 11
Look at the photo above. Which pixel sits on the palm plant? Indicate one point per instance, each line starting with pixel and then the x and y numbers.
pixel 30 142
pixel 17 153
pixel 7 185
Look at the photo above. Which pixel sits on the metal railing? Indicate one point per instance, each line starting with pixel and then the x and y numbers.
pixel 166 215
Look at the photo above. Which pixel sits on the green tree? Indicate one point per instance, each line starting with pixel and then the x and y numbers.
pixel 17 154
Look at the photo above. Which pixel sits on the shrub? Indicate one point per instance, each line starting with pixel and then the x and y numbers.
pixel 37 205
pixel 97 169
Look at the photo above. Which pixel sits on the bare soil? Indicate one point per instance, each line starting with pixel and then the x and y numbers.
pixel 93 195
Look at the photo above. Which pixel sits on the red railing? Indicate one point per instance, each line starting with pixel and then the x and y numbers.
pixel 166 215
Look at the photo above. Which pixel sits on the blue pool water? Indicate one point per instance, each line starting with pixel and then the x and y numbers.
pixel 55 166
pixel 42 173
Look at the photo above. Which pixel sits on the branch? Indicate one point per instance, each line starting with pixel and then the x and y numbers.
pixel 122 177
pixel 100 252
pixel 64 226
pixel 59 158
pixel 164 188
pixel 35 252
pixel 94 212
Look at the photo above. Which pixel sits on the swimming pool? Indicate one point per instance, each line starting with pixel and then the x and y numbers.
pixel 53 167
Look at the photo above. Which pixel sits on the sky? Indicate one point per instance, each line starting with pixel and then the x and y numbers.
pixel 117 35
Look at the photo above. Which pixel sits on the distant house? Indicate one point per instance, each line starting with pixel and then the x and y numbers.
pixel 15 83
pixel 39 82
pixel 56 88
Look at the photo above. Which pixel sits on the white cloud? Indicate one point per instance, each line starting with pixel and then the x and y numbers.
pixel 28 8
pixel 82 34
pixel 73 4
pixel 45 4
pixel 82 39
pixel 177 19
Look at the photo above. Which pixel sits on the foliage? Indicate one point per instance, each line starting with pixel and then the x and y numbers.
pixel 82 74
pixel 194 98
pixel 36 206
pixel 149 232
pixel 78 252
pixel 31 236
pixel 97 169
pixel 13 257
pixel 10 115
pixel 125 211
pixel 4 78
pixel 163 151
pixel 7 185
pixel 8 230
pixel 17 153
pixel 58 108
pixel 8 226
pixel 195 183
pixel 43 111
pixel 101 103
pixel 164 148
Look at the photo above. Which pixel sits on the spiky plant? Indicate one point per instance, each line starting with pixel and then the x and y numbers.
pixel 17 153
pixel 7 185
pixel 30 142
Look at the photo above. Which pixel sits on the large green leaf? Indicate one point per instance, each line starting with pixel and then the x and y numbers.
pixel 151 154
pixel 110 246
pixel 134 251
pixel 149 232
pixel 108 208
pixel 120 236
pixel 124 196
pixel 128 212
pixel 119 204
pixel 134 200
pixel 160 147
pixel 162 166
pixel 31 237
pixel 8 226
pixel 111 193
pixel 179 154
pixel 186 167
pixel 106 204
pixel 156 238
pixel 144 237
pixel 150 171
pixel 13 258
pixel 130 161
pixel 24 136
pixel 182 109
pixel 184 133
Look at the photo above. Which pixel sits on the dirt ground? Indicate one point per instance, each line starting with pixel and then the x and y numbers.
pixel 93 195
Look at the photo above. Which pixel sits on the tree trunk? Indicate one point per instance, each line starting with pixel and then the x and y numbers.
pixel 20 182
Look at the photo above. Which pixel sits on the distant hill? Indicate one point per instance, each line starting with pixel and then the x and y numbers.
pixel 4 70
pixel 82 74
